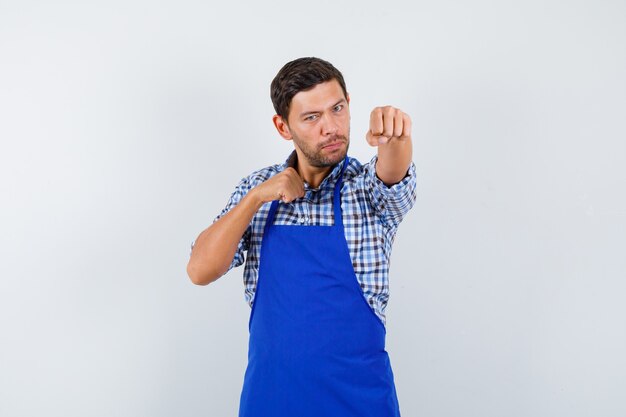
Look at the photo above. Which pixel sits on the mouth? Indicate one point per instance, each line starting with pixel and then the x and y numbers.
pixel 333 145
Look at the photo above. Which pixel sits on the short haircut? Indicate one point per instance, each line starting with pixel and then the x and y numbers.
pixel 300 75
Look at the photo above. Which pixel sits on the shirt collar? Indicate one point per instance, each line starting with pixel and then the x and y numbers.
pixel 329 180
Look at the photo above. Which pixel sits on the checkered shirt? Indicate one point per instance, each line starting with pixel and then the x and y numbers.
pixel 371 212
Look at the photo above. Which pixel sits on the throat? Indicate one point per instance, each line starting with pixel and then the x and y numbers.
pixel 314 176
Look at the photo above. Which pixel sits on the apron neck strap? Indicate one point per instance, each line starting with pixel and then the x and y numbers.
pixel 336 202
pixel 337 196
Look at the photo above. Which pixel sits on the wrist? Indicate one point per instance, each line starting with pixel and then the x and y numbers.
pixel 254 198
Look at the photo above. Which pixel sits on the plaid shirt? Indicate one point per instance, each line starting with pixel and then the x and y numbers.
pixel 371 215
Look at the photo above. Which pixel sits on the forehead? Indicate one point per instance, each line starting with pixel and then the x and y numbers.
pixel 321 96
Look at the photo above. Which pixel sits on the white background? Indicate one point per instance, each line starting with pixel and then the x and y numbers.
pixel 125 126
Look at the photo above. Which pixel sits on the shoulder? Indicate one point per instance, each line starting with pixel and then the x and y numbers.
pixel 249 182
pixel 356 171
pixel 260 175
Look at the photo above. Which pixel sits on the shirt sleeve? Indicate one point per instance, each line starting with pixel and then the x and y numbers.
pixel 240 191
pixel 394 202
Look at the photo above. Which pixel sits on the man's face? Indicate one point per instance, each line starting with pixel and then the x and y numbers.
pixel 319 122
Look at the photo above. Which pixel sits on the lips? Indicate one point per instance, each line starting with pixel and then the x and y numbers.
pixel 333 145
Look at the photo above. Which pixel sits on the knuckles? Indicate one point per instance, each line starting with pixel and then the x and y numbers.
pixel 387 121
pixel 380 110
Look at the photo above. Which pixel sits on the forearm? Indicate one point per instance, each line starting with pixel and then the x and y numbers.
pixel 394 159
pixel 215 247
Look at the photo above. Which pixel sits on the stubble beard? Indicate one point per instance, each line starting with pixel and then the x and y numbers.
pixel 314 156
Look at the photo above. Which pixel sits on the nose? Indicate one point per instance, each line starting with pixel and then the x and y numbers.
pixel 329 125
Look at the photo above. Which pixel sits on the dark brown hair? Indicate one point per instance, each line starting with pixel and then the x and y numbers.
pixel 300 75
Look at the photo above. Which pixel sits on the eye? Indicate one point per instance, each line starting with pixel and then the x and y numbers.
pixel 338 107
pixel 311 117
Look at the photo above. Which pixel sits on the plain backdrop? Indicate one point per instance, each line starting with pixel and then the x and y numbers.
pixel 125 126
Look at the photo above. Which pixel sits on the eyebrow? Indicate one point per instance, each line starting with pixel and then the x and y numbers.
pixel 306 113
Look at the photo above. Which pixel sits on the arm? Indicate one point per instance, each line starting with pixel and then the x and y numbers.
pixel 215 248
pixel 390 131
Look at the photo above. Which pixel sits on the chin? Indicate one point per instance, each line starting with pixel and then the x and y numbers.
pixel 340 156
pixel 329 159
pixel 343 153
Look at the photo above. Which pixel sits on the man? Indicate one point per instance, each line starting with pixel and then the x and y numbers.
pixel 318 231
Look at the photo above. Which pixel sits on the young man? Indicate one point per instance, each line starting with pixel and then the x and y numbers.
pixel 318 231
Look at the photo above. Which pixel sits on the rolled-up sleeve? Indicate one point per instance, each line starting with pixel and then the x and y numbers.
pixel 240 191
pixel 391 203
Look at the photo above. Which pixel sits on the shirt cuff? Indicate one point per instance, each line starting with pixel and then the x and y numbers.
pixel 385 189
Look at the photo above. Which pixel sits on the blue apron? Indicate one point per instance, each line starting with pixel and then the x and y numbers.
pixel 316 347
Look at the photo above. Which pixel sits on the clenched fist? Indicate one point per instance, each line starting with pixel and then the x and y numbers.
pixel 387 124
pixel 285 186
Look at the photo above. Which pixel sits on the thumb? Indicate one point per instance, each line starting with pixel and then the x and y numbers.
pixel 375 140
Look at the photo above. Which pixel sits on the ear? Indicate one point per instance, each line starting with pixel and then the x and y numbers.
pixel 348 97
pixel 282 127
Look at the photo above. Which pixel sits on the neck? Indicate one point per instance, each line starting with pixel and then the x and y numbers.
pixel 311 174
